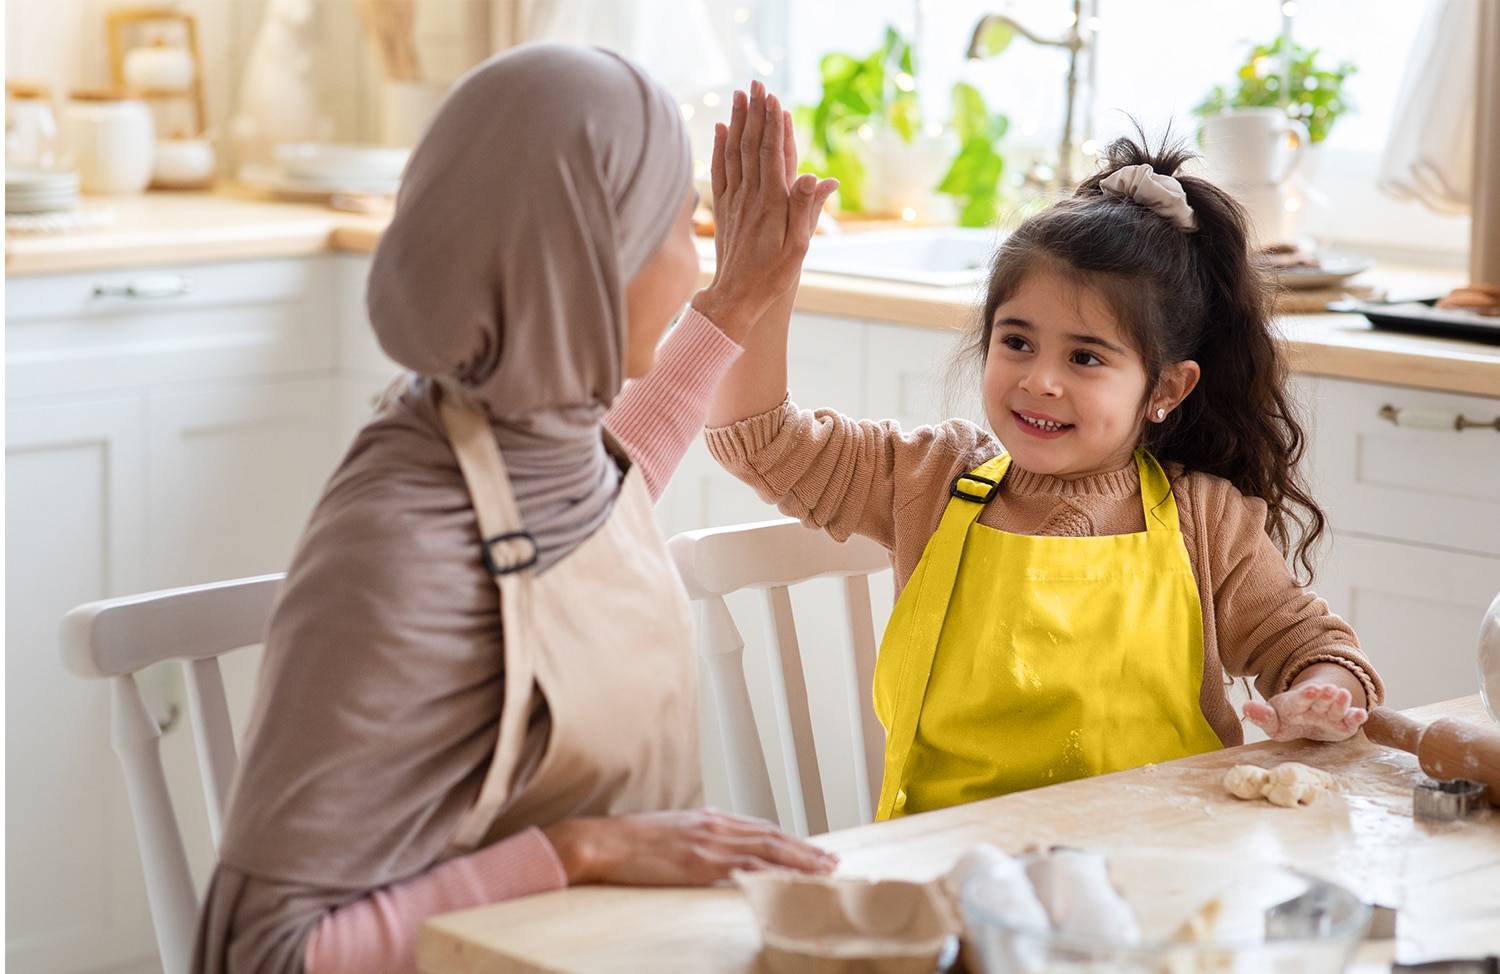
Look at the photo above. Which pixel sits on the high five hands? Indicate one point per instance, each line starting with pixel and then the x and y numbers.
pixel 764 213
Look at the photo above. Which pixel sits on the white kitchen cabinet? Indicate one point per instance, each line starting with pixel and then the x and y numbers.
pixel 165 426
pixel 75 505
pixel 919 376
pixel 1415 514
pixel 234 473
pixel 824 368
pixel 1416 610
pixel 363 370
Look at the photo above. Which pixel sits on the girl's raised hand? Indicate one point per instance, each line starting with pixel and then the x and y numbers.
pixel 1314 711
pixel 764 213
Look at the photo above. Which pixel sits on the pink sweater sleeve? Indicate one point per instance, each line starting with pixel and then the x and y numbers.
pixel 377 933
pixel 657 416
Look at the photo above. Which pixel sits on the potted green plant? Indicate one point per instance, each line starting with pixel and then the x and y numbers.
pixel 1315 96
pixel 869 110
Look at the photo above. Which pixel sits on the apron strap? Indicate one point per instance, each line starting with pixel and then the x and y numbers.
pixel 509 553
pixel 934 581
pixel 1156 493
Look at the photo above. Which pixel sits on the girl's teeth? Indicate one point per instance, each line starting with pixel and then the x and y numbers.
pixel 1044 424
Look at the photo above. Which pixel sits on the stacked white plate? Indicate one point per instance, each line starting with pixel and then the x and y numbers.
pixel 40 190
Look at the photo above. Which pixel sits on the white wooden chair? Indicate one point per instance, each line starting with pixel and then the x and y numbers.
pixel 116 638
pixel 771 556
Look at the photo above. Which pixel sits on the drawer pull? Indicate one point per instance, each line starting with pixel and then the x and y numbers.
pixel 1435 419
pixel 156 286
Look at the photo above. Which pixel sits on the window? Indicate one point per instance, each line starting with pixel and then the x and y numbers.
pixel 1153 60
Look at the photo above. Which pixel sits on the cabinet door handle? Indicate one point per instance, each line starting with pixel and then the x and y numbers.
pixel 1435 419
pixel 154 286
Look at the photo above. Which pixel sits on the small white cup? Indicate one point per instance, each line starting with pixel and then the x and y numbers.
pixel 1253 147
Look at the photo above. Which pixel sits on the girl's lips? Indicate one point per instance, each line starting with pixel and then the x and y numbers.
pixel 1047 429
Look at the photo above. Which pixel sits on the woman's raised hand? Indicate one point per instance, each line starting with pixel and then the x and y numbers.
pixel 764 213
pixel 686 848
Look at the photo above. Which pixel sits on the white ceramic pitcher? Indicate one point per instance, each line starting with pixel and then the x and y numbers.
pixel 1253 147
pixel 111 137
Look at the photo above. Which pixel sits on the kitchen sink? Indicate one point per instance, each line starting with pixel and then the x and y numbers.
pixel 937 256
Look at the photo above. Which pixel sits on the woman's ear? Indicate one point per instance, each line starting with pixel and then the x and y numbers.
pixel 1172 387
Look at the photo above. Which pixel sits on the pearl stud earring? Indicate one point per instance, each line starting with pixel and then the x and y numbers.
pixel 1161 414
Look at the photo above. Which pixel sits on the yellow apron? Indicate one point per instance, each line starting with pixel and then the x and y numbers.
pixel 1013 661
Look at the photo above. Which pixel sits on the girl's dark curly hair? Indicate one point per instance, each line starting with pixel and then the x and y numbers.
pixel 1181 296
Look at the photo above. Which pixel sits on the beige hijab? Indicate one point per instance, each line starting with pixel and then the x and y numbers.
pixel 547 180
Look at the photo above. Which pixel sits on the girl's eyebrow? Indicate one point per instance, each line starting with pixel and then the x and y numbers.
pixel 1094 340
pixel 1024 325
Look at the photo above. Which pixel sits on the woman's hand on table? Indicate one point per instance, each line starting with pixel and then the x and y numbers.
pixel 1311 710
pixel 764 213
pixel 680 848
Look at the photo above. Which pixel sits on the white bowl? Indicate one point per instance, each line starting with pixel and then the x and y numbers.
pixel 183 163
pixel 331 162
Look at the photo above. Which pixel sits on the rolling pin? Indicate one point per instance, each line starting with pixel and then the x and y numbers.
pixel 1446 748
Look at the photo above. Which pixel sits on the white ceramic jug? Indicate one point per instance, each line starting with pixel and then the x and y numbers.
pixel 111 137
pixel 1250 148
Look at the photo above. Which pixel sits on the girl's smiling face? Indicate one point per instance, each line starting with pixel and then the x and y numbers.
pixel 1064 390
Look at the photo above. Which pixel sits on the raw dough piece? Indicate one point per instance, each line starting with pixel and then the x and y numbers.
pixel 1246 781
pixel 1289 784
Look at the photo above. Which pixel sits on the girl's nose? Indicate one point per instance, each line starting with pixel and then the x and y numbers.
pixel 1041 379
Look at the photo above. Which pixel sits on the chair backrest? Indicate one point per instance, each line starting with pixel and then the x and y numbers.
pixel 113 639
pixel 771 556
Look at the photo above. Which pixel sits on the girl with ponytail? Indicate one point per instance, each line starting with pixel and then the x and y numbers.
pixel 1078 583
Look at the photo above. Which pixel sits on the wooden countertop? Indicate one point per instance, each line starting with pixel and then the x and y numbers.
pixel 1442 877
pixel 179 227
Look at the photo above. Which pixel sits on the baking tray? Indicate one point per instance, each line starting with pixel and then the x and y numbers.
pixel 1422 318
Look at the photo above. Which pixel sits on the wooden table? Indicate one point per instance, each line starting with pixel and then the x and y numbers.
pixel 1444 877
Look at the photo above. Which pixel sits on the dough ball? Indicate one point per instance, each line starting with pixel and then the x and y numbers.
pixel 1288 784
pixel 1292 784
pixel 1246 781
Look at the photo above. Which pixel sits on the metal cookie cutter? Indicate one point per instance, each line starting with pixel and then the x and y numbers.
pixel 1448 800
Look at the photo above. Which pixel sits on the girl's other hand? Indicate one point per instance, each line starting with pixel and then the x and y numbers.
pixel 764 213
pixel 685 848
pixel 1312 710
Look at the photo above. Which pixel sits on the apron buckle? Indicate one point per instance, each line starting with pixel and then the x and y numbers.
pixel 486 551
pixel 969 487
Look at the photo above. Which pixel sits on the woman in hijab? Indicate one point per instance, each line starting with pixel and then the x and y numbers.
pixel 478 679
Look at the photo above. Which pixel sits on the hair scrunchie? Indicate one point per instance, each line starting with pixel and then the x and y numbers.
pixel 1162 195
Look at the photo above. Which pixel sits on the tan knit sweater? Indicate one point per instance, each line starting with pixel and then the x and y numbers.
pixel 863 477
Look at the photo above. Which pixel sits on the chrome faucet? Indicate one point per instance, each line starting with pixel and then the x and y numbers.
pixel 1072 42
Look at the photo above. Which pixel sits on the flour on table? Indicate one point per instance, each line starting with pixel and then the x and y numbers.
pixel 1289 784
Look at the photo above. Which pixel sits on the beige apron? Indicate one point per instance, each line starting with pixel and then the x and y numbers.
pixel 600 709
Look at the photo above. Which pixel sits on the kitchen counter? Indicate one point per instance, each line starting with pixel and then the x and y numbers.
pixel 177 227
pixel 1440 876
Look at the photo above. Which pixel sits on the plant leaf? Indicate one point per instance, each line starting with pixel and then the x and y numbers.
pixel 996 38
